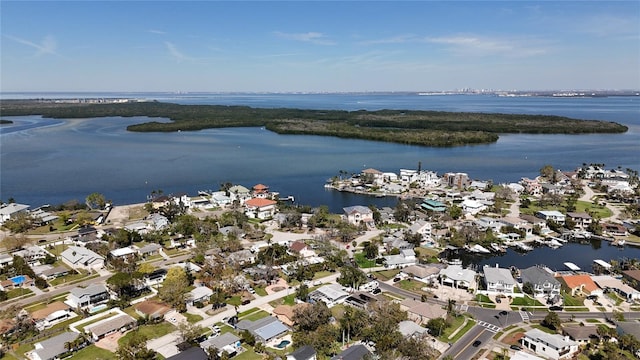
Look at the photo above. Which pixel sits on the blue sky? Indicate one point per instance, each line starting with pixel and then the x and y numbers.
pixel 318 46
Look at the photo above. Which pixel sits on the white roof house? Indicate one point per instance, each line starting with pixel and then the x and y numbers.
pixel 199 294
pixel 405 258
pixel 7 211
pixel 499 280
pixel 455 275
pixel 82 258
pixel 551 346
pixel 329 294
pixel 122 252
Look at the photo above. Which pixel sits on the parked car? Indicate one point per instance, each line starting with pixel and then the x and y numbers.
pixel 498 300
pixel 376 291
pixel 246 301
pixel 503 312
pixel 515 347
pixel 555 308
pixel 476 343
pixel 396 279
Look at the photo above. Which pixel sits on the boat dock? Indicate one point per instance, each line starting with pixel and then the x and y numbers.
pixel 571 266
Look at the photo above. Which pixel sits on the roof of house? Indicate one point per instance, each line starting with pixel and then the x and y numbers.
pixel 78 254
pixel 149 308
pixel 265 328
pixel 200 292
pixel 51 348
pixel 55 271
pixel 629 327
pixel 303 353
pixel 49 309
pixel 372 171
pixel 537 275
pixel 457 273
pixel 90 290
pixel 634 274
pixel 108 325
pixel 149 248
pixel 238 189
pixel 192 353
pixel 357 209
pixel 12 208
pixel 221 341
pixel 579 333
pixel 424 309
pixel 122 251
pixel 260 187
pixel 408 328
pixel 355 352
pixel 297 246
pixel 421 271
pixel 332 291
pixel 576 281
pixel 498 275
pixel 554 340
pixel 260 202
pixel 579 215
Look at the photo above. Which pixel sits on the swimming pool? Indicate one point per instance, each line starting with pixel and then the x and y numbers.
pixel 95 309
pixel 283 344
pixel 18 280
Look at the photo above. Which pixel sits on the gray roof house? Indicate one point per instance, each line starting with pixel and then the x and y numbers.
pixel 51 348
pixel 226 342
pixel 355 352
pixel 542 280
pixel 10 210
pixel 91 295
pixel 265 329
pixel 306 352
pixel 81 257
pixel 499 280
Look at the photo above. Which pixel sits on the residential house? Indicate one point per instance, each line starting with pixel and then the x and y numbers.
pixel 32 254
pixel 472 206
pixel 580 285
pixel 54 273
pixel 330 294
pixel 422 312
pixel 227 342
pixel 156 277
pixel 259 208
pixel 421 227
pixel 265 329
pixel 354 352
pixel 125 253
pixel 632 277
pixel 87 297
pixel 11 210
pixel 433 205
pixel 581 219
pixel 552 346
pixel 149 250
pixel 457 180
pixel 86 234
pixel 499 280
pixel 408 328
pixel 544 284
pixel 151 309
pixel 406 257
pixel 199 294
pixel 157 221
pixel 79 257
pixel 458 277
pixel 52 348
pixel 302 249
pixel 306 352
pixel 192 353
pixel 16 282
pixel 358 214
pixel 102 328
pixel 553 215
pixel 581 334
pixel 614 229
pixel 424 273
pixel 360 300
pixel 611 283
pixel 375 175
pixel 51 314
pixel 6 259
pixel 531 186
pixel 241 257
pixel 239 194
pixel 219 198
pixel 41 217
pixel 261 191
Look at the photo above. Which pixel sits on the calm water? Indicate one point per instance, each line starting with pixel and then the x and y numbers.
pixel 52 161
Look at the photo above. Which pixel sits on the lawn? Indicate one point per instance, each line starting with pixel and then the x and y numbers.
pixel 525 301
pixel 545 329
pixel 256 315
pixel 192 318
pixel 572 301
pixel 19 292
pixel 412 285
pixel 71 278
pixel 385 275
pixel 363 262
pixel 588 207
pixel 594 321
pixel 248 354
pixel 260 290
pixel 613 296
pixel 483 298
pixel 463 331
pixel 150 331
pixel 456 322
pixel 93 353
pixel 321 274
pixel 248 312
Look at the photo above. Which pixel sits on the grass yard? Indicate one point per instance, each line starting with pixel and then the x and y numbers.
pixel 261 314
pixel 11 294
pixel 412 285
pixel 593 321
pixel 456 322
pixel 321 274
pixel 150 331
pixel 525 301
pixel 93 353
pixel 260 291
pixel 248 312
pixel 80 275
pixel 483 298
pixel 614 297
pixel 545 329
pixel 572 301
pixel 192 318
pixel 588 207
pixel 363 262
pixel 463 331
pixel 248 354
pixel 385 275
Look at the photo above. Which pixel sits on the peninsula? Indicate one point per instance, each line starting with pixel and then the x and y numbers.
pixel 424 128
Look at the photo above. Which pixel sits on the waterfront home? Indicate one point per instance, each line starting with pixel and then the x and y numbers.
pixel 553 215
pixel 456 276
pixel 52 348
pixel 373 174
pixel 239 194
pixel 632 277
pixel 354 352
pixel 358 214
pixel 158 221
pixel 219 198
pixel 41 217
pixel 613 229
pixel 11 211
pixel 306 352
pixel 424 273
pixel 424 179
pixel 581 219
pixel 260 191
pixel 79 257
pixel 329 294
pixel 516 188
pixel 457 180
pixel 581 334
pixel 544 284
pixel 259 208
pixel 433 205
pixel 611 283
pixel 405 258
pixel 499 280
pixel 227 342
pixel 580 285
pixel 120 322
pixel 421 312
pixel 472 206
pixel 552 346
pixel 531 186
pixel 87 297
pixel 265 329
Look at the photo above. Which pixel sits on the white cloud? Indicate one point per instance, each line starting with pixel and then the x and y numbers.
pixel 159 32
pixel 485 46
pixel 399 39
pixel 177 54
pixel 311 37
pixel 47 46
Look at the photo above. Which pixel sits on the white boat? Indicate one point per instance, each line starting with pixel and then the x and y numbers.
pixel 555 243
pixel 619 242
pixel 571 266
pixel 497 247
pixel 523 246
pixel 479 249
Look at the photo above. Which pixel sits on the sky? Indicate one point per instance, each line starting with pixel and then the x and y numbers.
pixel 318 46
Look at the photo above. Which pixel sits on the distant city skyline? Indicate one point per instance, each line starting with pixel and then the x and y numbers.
pixel 298 46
